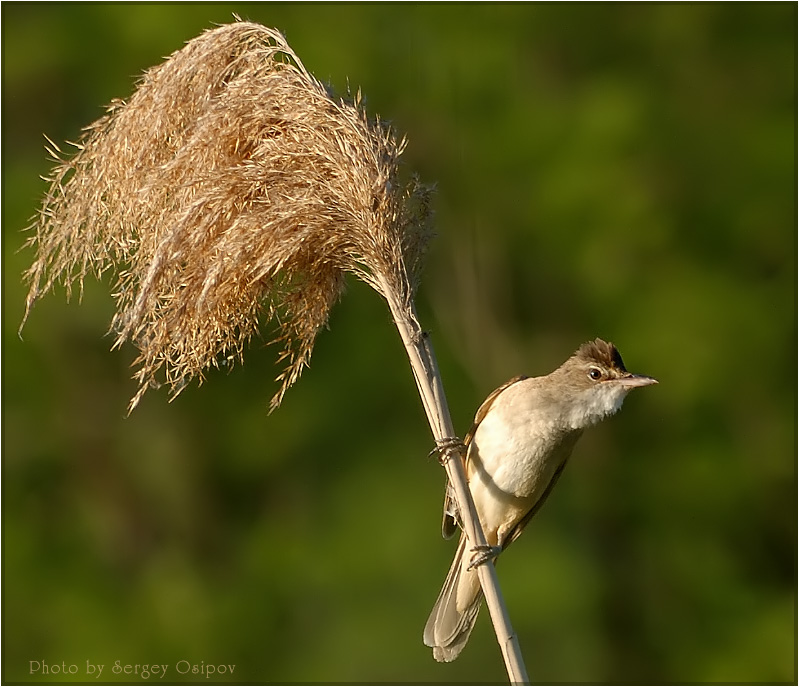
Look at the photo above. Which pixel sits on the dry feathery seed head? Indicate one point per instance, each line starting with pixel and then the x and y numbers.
pixel 230 185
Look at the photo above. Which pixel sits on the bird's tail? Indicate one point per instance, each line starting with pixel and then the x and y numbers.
pixel 455 612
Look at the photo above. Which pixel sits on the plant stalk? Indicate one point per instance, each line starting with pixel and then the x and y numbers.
pixel 431 389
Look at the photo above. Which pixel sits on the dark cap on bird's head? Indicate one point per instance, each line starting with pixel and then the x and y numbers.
pixel 602 352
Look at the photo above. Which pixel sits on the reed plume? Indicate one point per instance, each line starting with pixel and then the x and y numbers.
pixel 233 189
pixel 230 188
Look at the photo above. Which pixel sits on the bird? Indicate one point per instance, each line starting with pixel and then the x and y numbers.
pixel 521 439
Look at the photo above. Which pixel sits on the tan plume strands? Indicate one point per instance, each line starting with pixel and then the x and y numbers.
pixel 231 185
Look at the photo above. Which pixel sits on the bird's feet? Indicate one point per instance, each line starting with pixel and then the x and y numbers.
pixel 483 554
pixel 447 448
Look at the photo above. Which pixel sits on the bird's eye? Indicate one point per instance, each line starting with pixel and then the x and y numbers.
pixel 595 373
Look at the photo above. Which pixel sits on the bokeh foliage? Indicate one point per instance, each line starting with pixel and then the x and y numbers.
pixel 625 171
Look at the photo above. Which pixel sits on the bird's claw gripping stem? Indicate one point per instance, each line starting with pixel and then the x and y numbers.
pixel 483 554
pixel 447 448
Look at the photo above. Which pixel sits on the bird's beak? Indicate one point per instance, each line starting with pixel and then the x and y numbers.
pixel 630 381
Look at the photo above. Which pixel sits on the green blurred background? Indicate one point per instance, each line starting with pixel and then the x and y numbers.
pixel 625 171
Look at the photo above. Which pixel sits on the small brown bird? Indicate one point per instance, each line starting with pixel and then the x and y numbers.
pixel 522 436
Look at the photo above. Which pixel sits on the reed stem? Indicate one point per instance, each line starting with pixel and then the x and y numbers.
pixel 431 389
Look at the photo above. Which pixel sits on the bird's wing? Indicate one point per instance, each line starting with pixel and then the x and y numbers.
pixel 482 411
pixel 451 520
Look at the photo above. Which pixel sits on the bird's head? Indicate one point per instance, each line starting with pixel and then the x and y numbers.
pixel 595 383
